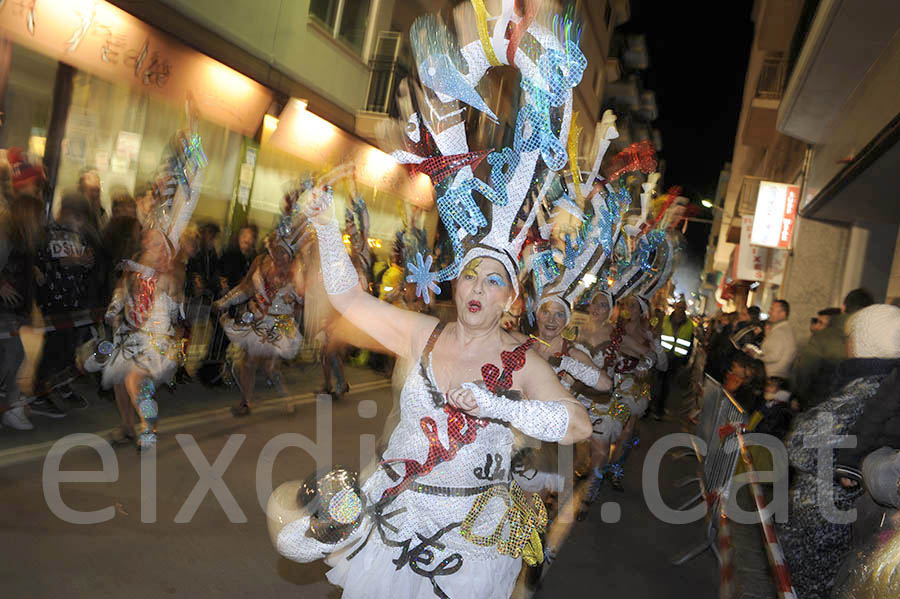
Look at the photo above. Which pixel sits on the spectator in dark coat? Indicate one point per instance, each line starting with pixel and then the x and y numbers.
pixel 815 539
pixel 237 259
pixel 203 267
pixel 812 377
pixel 775 413
pixel 878 426
pixel 68 283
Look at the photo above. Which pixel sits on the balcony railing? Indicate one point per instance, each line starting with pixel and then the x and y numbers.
pixel 386 72
pixel 770 85
pixel 746 201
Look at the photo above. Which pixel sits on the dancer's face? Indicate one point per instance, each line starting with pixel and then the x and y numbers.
pixel 551 320
pixel 483 293
pixel 599 309
pixel 156 250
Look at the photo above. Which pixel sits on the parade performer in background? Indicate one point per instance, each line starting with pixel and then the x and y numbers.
pixel 438 515
pixel 146 303
pixel 267 328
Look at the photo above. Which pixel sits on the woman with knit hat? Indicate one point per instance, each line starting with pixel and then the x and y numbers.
pixel 817 535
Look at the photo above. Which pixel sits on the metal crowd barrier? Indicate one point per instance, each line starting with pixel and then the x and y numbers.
pixel 720 417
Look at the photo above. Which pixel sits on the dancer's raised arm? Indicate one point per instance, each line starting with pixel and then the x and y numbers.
pixel 400 331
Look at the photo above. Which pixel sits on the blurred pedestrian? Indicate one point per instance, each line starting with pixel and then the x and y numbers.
pixel 21 236
pixel 677 338
pixel 66 285
pixel 779 348
pixel 812 375
pixel 236 260
pixel 89 186
pixel 822 319
pixel 27 175
pixel 123 204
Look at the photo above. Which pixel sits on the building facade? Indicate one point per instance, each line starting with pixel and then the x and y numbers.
pixel 100 85
pixel 819 107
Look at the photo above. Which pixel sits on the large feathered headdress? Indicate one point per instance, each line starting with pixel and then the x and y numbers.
pixel 550 67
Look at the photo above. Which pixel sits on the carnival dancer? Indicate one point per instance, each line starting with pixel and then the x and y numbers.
pixel 147 301
pixel 433 519
pixel 272 291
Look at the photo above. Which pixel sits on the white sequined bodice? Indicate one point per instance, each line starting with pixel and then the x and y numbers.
pixel 471 467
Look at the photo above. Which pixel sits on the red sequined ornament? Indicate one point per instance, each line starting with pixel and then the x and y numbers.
pixel 143 299
pixel 639 156
pixel 498 381
pixel 462 429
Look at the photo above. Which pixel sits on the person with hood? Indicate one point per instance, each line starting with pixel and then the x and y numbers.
pixel 814 538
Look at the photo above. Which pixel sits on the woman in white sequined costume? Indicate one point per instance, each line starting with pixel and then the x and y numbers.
pixel 147 301
pixel 444 478
pixel 267 328
pixel 146 304
pixel 537 464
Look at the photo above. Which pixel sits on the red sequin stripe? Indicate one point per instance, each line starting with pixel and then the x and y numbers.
pixel 498 381
pixel 263 298
pixel 615 340
pixel 462 429
pixel 146 287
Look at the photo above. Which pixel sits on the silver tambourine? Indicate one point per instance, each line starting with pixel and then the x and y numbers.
pixel 333 502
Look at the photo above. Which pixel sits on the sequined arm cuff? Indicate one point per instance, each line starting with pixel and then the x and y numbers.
pixel 338 273
pixel 235 296
pixel 543 420
pixel 116 305
pixel 588 375
pixel 295 544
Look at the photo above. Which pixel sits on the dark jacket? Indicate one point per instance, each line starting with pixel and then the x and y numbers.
pixel 205 266
pixel 776 419
pixel 68 263
pixel 879 424
pixel 235 265
pixel 813 374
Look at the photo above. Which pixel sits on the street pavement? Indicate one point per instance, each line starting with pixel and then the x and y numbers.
pixel 219 552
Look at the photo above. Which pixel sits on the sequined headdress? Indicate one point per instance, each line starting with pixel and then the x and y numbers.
pixel 178 181
pixel 551 65
pixel 292 229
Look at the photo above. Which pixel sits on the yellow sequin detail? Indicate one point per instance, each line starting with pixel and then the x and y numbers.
pixel 481 16
pixel 518 534
pixel 619 411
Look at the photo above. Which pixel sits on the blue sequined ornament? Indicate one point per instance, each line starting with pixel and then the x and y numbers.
pixel 421 275
pixel 148 408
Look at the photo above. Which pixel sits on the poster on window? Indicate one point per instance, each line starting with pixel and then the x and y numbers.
pixel 755 263
pixel 751 259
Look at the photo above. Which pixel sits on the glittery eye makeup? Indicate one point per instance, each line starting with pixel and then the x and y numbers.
pixel 496 280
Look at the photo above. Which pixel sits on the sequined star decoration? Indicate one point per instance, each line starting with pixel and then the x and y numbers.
pixel 421 275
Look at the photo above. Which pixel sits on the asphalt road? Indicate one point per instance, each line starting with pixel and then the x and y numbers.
pixel 217 551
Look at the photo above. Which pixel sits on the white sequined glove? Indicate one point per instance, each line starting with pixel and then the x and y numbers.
pixel 662 359
pixel 588 375
pixel 646 362
pixel 338 273
pixel 543 420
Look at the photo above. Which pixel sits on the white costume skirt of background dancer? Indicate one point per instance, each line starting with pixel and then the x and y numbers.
pixel 155 353
pixel 371 574
pixel 270 337
pixel 606 427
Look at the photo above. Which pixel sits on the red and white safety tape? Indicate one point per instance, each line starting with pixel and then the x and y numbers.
pixel 780 570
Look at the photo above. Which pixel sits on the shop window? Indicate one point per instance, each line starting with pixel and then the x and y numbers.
pixel 122 132
pixel 26 97
pixel 345 19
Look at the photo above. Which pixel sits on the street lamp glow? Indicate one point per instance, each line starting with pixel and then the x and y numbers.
pixel 706 203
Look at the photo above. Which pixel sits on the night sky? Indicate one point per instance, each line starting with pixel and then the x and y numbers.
pixel 698 60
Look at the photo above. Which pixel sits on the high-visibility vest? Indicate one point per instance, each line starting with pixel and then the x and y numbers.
pixel 677 342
